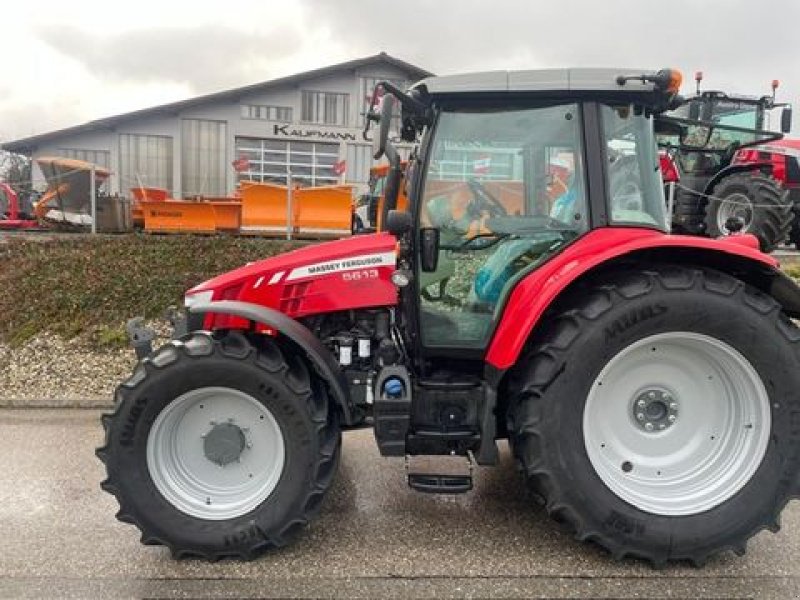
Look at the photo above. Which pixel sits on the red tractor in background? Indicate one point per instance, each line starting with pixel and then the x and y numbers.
pixel 783 158
pixel 724 179
pixel 15 214
pixel 646 382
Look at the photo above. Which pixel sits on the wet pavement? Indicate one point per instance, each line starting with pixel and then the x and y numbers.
pixel 375 537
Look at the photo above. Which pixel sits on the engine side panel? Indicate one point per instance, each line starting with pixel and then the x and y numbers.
pixel 330 277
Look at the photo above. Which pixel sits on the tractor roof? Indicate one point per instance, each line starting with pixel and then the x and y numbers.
pixel 541 80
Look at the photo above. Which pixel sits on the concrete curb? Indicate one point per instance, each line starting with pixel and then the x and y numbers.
pixel 97 402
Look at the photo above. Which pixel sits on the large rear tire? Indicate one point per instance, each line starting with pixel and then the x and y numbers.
pixel 759 201
pixel 655 417
pixel 218 448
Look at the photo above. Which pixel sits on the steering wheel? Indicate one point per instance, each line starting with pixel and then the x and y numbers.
pixel 482 201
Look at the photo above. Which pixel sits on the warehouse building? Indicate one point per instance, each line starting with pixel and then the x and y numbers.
pixel 308 124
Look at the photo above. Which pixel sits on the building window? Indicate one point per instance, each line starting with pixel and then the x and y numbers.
pixel 101 158
pixel 325 108
pixel 145 160
pixel 267 113
pixel 310 163
pixel 203 154
pixel 368 86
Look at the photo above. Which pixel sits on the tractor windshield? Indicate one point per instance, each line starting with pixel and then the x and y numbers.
pixel 506 190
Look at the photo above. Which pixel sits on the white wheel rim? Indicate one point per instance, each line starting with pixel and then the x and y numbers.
pixel 179 458
pixel 735 205
pixel 712 441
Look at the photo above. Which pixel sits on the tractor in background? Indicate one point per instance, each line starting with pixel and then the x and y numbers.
pixel 725 184
pixel 15 212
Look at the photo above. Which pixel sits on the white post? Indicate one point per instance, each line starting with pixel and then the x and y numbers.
pixel 289 193
pixel 93 199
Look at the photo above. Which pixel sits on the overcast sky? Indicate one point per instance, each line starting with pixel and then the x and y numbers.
pixel 69 62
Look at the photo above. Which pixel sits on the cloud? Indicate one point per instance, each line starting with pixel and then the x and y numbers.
pixel 726 38
pixel 204 57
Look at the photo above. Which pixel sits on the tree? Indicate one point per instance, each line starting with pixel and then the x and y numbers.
pixel 15 169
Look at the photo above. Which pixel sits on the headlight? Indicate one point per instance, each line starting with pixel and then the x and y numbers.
pixel 190 300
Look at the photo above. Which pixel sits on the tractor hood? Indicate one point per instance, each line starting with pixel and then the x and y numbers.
pixel 328 277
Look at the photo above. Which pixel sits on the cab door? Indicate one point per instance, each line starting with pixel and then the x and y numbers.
pixel 506 190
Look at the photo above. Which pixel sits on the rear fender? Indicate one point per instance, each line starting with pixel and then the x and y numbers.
pixel 616 248
pixel 736 168
pixel 299 335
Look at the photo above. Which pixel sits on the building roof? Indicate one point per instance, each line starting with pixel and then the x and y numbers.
pixel 25 145
pixel 541 80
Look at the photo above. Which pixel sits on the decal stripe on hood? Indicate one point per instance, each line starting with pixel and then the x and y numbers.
pixel 351 263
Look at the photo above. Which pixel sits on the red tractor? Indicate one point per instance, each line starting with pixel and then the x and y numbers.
pixel 13 213
pixel 721 177
pixel 646 382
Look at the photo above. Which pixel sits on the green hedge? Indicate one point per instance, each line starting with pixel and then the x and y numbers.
pixel 92 285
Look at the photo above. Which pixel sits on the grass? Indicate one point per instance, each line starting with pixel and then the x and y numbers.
pixel 792 270
pixel 90 286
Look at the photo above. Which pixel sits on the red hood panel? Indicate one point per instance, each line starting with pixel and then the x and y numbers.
pixel 332 276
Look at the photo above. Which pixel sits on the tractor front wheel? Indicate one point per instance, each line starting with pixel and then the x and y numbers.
pixel 220 446
pixel 655 415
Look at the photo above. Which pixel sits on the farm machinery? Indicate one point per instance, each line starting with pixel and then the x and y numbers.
pixel 724 176
pixel 15 213
pixel 645 382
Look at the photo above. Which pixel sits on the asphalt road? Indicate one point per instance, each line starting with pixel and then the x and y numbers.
pixel 375 538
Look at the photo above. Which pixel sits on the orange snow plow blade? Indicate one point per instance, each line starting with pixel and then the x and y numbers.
pixel 145 193
pixel 177 216
pixel 263 207
pixel 315 211
pixel 324 211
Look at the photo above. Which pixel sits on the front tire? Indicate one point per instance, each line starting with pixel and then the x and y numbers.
pixel 219 447
pixel 719 471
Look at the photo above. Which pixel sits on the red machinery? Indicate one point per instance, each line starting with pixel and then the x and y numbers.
pixel 11 213
pixel 646 382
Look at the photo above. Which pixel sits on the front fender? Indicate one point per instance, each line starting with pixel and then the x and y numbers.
pixel 320 357
pixel 534 294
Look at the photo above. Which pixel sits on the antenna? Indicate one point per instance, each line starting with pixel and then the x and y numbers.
pixel 698 77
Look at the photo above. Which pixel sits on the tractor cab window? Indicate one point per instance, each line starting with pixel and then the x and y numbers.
pixel 634 176
pixel 506 190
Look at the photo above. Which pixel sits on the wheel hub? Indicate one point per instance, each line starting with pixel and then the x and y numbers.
pixel 655 410
pixel 224 444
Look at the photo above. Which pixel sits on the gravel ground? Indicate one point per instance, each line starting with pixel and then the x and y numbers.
pixel 49 371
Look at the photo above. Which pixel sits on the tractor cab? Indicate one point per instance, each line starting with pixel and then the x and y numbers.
pixel 509 175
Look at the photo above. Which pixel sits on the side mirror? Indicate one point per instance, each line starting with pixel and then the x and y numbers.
pixel 428 249
pixel 786 120
pixel 381 136
pixel 398 222
pixel 695 136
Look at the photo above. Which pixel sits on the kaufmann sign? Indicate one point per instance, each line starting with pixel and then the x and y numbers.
pixel 314 133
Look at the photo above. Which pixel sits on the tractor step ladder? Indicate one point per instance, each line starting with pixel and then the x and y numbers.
pixel 432 480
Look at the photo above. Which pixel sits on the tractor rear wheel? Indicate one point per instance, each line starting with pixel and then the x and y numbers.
pixel 655 415
pixel 220 448
pixel 758 201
